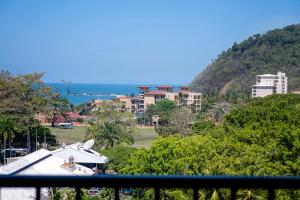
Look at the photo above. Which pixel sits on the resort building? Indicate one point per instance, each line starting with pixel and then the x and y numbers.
pixel 183 97
pixel 126 104
pixel 268 84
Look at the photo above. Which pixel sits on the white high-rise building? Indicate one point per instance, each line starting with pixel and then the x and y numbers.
pixel 268 84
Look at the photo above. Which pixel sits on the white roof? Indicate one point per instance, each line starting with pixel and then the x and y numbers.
pixel 23 162
pixel 267 75
pixel 80 155
pixel 263 86
pixel 40 162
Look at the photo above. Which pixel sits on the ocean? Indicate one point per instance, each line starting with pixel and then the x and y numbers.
pixel 82 93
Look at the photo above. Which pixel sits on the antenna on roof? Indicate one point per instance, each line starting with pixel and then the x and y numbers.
pixel 88 145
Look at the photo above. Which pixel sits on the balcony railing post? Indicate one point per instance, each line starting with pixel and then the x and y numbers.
pixel 271 194
pixel 38 193
pixel 117 195
pixel 78 193
pixel 195 194
pixel 233 193
pixel 157 193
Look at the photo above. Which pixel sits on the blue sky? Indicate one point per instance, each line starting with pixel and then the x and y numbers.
pixel 154 42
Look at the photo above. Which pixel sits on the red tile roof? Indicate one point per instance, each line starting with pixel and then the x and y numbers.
pixel 144 87
pixel 184 91
pixel 123 97
pixel 164 86
pixel 76 115
pixel 156 92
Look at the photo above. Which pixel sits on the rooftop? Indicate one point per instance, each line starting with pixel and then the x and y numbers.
pixel 144 87
pixel 267 75
pixel 42 162
pixel 262 85
pixel 80 154
pixel 123 97
pixel 156 92
pixel 164 86
pixel 184 91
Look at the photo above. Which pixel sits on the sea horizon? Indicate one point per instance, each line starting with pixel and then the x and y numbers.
pixel 80 93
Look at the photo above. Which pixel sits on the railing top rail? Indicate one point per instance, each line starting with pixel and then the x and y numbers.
pixel 123 181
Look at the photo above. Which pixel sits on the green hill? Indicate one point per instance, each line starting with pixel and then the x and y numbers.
pixel 234 70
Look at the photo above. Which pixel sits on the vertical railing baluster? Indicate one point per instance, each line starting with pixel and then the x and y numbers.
pixel 78 193
pixel 157 193
pixel 38 193
pixel 117 196
pixel 195 194
pixel 271 194
pixel 233 193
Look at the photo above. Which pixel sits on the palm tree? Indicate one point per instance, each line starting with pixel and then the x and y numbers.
pixel 109 135
pixel 6 130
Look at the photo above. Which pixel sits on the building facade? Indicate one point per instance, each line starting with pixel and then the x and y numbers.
pixel 182 97
pixel 268 84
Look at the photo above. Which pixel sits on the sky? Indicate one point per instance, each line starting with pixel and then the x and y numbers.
pixel 129 41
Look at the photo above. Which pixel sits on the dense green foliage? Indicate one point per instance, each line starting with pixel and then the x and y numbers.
pixel 163 109
pixel 118 156
pixel 234 71
pixel 84 109
pixel 261 138
pixel 172 120
pixel 178 122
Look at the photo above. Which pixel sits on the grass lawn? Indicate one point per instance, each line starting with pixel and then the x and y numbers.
pixel 69 136
pixel 143 137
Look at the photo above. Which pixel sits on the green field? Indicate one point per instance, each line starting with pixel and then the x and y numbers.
pixel 69 136
pixel 143 137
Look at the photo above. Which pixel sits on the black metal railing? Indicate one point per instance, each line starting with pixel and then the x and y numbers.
pixel 195 183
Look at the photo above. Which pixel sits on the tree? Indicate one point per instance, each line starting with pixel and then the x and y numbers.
pixel 179 122
pixel 58 106
pixel 118 156
pixel 164 109
pixel 7 132
pixel 22 97
pixel 112 126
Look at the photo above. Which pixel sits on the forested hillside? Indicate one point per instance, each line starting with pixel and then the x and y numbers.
pixel 234 70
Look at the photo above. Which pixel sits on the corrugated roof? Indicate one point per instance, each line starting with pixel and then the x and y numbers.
pixel 40 162
pixel 80 155
pixel 24 162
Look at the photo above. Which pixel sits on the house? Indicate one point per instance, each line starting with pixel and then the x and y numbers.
pixel 41 162
pixel 182 97
pixel 83 154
